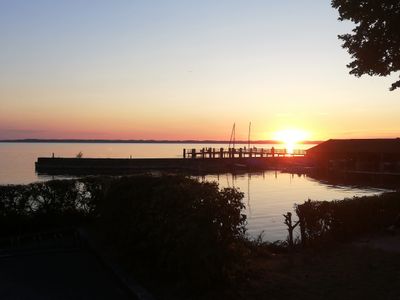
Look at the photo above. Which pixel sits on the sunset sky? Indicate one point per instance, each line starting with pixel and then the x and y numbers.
pixel 183 70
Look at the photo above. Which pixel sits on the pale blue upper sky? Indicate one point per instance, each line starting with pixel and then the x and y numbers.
pixel 183 69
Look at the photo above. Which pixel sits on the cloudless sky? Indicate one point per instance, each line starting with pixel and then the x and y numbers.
pixel 183 69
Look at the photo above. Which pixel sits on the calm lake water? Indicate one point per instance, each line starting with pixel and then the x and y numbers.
pixel 267 195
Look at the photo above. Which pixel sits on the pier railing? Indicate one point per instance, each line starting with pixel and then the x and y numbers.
pixel 240 153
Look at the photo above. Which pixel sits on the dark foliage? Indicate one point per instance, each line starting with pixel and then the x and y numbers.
pixel 46 205
pixel 166 227
pixel 177 226
pixel 375 42
pixel 344 219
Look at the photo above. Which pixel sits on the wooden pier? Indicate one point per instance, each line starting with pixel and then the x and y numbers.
pixel 240 153
pixel 206 160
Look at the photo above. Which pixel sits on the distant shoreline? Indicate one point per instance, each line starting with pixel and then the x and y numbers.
pixel 96 141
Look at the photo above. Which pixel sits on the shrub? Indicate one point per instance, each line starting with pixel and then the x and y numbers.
pixel 165 226
pixel 344 219
pixel 50 204
pixel 176 225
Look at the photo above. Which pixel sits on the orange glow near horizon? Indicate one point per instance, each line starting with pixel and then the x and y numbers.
pixel 290 137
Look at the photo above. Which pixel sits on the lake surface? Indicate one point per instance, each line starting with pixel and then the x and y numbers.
pixel 268 194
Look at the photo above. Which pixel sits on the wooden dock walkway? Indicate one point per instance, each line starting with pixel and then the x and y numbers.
pixel 240 153
pixel 205 160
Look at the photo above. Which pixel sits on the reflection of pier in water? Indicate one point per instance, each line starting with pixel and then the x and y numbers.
pixel 231 180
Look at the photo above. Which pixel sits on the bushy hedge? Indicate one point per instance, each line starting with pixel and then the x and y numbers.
pixel 176 225
pixel 44 205
pixel 166 226
pixel 343 219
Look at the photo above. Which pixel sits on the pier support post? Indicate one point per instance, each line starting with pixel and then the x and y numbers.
pixel 184 153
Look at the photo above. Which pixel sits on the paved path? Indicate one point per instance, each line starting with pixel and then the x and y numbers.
pixel 56 268
pixel 62 275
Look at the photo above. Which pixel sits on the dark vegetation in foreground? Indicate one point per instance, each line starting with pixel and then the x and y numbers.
pixel 163 229
pixel 181 237
pixel 342 220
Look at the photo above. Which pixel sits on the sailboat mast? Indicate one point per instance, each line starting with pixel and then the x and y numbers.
pixel 233 136
pixel 248 137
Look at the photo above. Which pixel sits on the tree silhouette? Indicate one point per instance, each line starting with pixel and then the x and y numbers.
pixel 374 43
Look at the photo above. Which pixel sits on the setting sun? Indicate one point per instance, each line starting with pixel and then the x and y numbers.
pixel 290 137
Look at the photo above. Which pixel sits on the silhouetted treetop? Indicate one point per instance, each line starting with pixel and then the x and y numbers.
pixel 374 43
